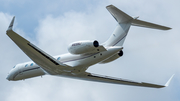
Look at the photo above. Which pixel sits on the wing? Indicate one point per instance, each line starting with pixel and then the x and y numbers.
pixel 44 60
pixel 107 79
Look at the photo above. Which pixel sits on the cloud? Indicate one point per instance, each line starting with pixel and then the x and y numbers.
pixel 70 27
pixel 149 55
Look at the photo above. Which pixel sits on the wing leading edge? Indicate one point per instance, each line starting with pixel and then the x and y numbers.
pixel 106 79
pixel 41 58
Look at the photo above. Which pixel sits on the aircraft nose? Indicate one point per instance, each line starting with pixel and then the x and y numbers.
pixel 9 77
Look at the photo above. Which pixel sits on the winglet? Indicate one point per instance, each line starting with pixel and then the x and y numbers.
pixel 11 24
pixel 167 84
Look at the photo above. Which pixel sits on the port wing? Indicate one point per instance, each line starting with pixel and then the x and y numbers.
pixel 41 58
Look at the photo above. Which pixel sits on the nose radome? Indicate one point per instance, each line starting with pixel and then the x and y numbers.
pixel 9 77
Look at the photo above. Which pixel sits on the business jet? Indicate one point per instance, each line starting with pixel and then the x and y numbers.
pixel 82 54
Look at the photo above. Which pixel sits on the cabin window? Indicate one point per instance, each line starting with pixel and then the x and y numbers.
pixel 26 65
pixel 14 66
pixel 31 64
pixel 58 58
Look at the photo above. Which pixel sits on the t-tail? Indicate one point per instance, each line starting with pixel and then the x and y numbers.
pixel 124 22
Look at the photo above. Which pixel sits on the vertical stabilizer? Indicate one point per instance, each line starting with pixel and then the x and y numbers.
pixel 124 22
pixel 118 36
pixel 119 15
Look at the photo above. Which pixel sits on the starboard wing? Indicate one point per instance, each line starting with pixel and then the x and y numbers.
pixel 106 79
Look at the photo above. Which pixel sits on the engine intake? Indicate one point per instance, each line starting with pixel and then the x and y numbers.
pixel 120 53
pixel 96 43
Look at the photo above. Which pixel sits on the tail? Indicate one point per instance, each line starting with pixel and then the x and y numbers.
pixel 124 22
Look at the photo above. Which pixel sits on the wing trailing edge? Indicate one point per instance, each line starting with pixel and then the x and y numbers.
pixel 113 80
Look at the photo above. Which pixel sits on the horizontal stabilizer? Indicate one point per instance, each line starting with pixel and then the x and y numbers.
pixel 122 17
pixel 141 23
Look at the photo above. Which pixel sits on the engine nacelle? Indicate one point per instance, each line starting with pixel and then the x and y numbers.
pixel 112 58
pixel 83 47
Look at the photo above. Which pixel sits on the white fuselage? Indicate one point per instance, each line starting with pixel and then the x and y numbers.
pixel 80 62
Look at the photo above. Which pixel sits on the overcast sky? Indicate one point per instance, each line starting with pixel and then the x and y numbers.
pixel 149 55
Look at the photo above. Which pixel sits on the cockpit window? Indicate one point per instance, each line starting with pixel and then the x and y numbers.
pixel 26 65
pixel 58 58
pixel 14 66
pixel 31 64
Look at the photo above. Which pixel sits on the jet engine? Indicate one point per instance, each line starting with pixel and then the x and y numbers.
pixel 83 47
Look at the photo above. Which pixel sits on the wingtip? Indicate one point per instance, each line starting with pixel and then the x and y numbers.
pixel 166 28
pixel 110 6
pixel 168 82
pixel 169 28
pixel 11 24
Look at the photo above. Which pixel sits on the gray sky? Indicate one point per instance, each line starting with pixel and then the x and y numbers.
pixel 149 55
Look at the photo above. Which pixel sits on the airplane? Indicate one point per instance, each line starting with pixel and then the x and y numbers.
pixel 82 54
